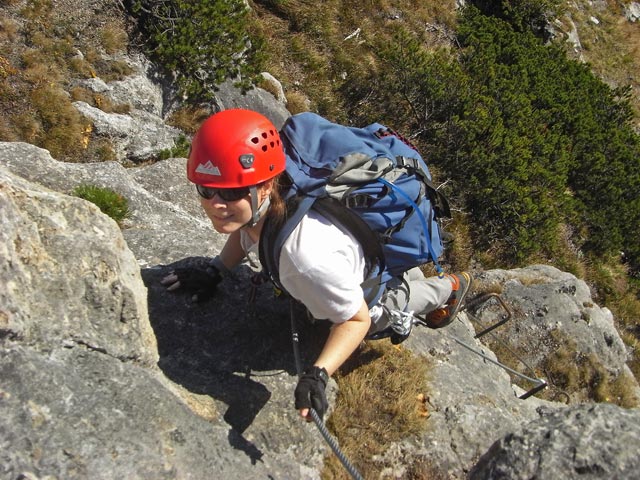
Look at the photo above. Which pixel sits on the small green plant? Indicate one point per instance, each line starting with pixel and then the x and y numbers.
pixel 108 201
pixel 179 150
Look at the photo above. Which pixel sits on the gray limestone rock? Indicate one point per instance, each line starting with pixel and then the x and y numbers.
pixel 632 11
pixel 69 279
pixel 158 230
pixel 595 441
pixel 81 339
pixel 472 402
pixel 136 136
pixel 77 413
pixel 256 99
pixel 550 310
pixel 137 90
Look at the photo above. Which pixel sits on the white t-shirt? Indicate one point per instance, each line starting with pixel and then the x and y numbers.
pixel 321 266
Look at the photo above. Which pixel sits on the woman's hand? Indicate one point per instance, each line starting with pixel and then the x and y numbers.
pixel 310 392
pixel 200 282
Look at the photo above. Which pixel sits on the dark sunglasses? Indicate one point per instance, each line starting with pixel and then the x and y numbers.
pixel 226 194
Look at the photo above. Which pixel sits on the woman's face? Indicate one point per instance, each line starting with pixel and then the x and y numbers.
pixel 229 216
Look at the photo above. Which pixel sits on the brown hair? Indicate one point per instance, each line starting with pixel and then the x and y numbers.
pixel 278 208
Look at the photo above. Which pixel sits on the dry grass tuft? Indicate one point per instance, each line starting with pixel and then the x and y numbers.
pixel 188 119
pixel 297 102
pixel 582 378
pixel 114 39
pixel 62 126
pixel 382 399
pixel 459 251
pixel 8 29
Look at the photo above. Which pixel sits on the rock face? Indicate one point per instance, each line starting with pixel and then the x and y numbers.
pixel 158 230
pixel 105 375
pixel 141 133
pixel 103 371
pixel 632 11
pixel 93 299
pixel 80 393
pixel 553 314
pixel 585 441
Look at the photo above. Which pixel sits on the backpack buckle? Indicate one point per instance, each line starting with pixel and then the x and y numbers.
pixel 408 162
pixel 358 201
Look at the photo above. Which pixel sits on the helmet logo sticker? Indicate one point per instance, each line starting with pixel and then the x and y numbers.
pixel 208 169
pixel 246 160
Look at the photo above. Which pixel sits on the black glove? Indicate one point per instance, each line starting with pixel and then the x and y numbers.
pixel 200 282
pixel 310 390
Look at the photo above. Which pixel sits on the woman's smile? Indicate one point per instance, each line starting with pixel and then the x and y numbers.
pixel 222 217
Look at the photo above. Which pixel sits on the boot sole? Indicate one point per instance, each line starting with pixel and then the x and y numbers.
pixel 469 278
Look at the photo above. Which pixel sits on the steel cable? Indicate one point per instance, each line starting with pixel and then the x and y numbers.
pixel 314 415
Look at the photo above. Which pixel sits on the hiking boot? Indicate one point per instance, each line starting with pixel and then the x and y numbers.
pixel 442 317
pixel 395 337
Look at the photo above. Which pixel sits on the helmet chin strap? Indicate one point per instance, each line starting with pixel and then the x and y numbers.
pixel 256 211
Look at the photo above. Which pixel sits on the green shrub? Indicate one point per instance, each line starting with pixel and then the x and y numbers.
pixel 537 144
pixel 523 15
pixel 201 43
pixel 108 201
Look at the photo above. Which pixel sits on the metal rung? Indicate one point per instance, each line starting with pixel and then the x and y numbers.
pixel 483 298
pixel 539 383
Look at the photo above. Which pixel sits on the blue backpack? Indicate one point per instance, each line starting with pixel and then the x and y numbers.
pixel 369 180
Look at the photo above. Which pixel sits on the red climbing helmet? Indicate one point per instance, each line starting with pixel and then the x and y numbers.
pixel 235 148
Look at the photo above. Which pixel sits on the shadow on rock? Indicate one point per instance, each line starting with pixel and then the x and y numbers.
pixel 225 346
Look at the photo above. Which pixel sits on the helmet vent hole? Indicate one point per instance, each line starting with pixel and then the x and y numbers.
pixel 264 148
pixel 264 134
pixel 255 140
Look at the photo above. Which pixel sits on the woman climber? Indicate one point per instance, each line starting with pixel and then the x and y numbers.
pixel 237 163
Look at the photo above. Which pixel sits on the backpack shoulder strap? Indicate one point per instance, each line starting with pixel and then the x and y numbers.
pixel 376 276
pixel 274 234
